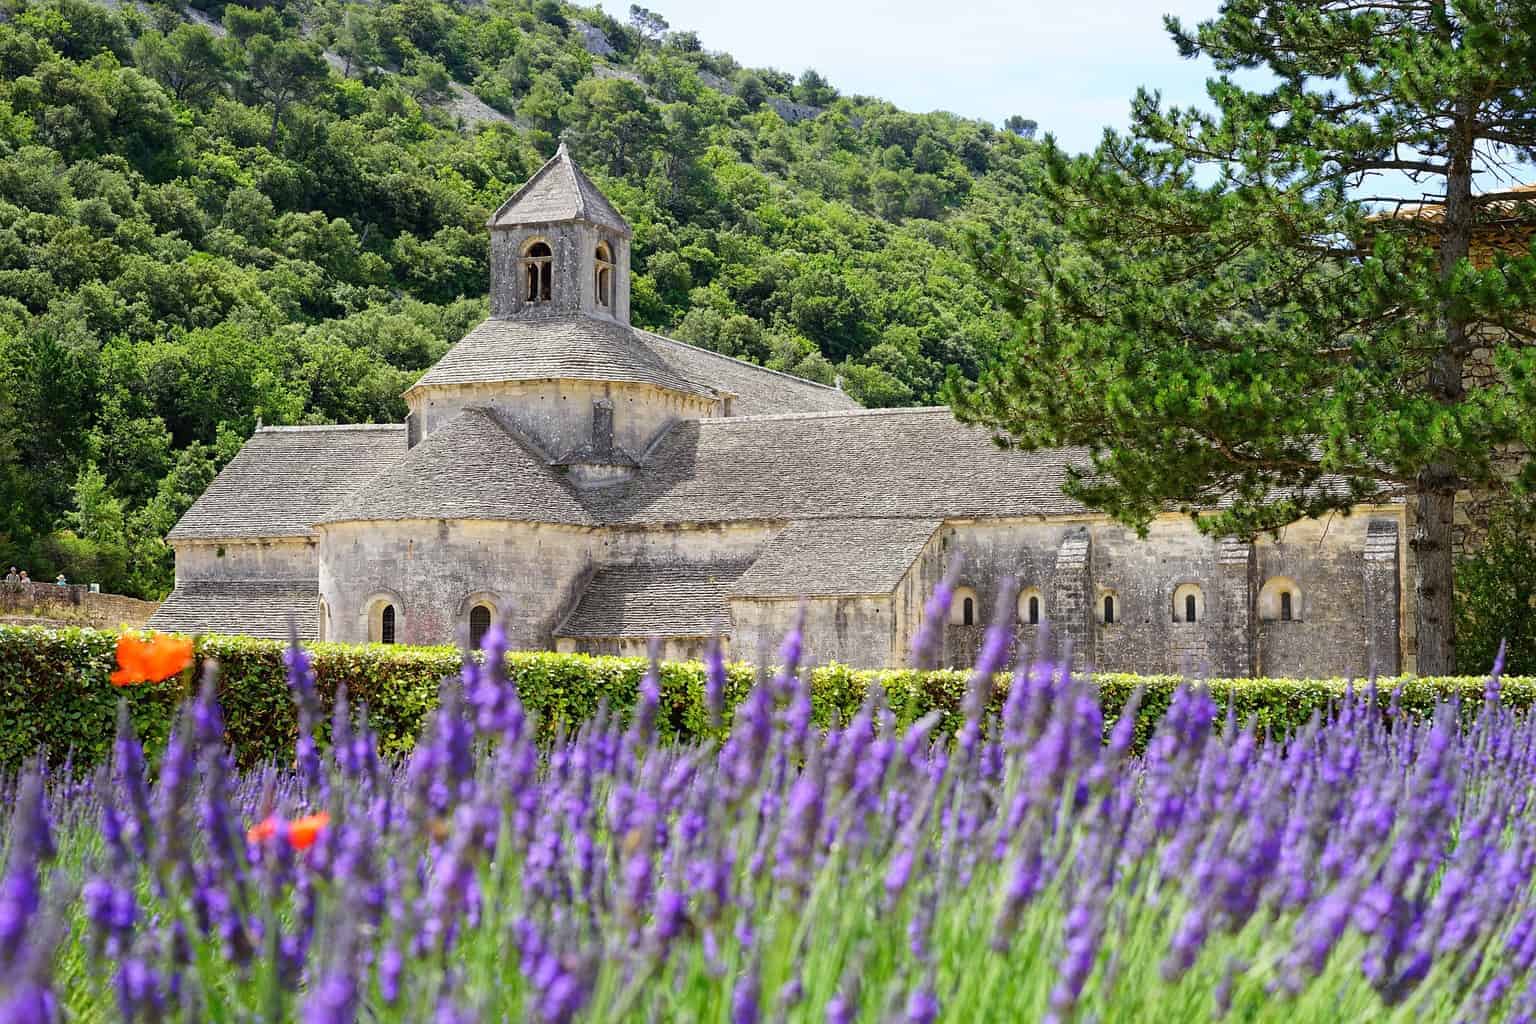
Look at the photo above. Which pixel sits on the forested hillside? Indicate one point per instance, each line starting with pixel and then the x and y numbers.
pixel 213 216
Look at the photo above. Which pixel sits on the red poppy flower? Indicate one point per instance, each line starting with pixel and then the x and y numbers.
pixel 302 832
pixel 150 659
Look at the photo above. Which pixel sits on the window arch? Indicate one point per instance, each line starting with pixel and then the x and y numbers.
pixel 479 625
pixel 386 624
pixel 963 607
pixel 602 275
pixel 538 272
pixel 1031 606
pixel 1188 603
pixel 1110 608
pixel 1280 600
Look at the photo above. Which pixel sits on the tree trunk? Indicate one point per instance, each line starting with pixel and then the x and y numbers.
pixel 1435 572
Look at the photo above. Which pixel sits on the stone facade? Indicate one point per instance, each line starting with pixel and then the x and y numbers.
pixel 597 487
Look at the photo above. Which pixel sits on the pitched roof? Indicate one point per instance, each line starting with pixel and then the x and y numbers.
pixel 889 463
pixel 836 557
pixel 758 391
pixel 260 608
pixel 559 191
pixel 284 478
pixel 472 467
pixel 674 599
pixel 571 346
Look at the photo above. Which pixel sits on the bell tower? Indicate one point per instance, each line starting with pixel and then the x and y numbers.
pixel 558 247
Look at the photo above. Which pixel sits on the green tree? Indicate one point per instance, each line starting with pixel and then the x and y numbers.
pixel 1496 592
pixel 189 62
pixel 357 41
pixel 1230 321
pixel 611 123
pixel 283 71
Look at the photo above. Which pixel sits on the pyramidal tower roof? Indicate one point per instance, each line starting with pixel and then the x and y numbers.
pixel 559 191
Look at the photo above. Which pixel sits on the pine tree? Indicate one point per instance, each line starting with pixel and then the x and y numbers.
pixel 1243 311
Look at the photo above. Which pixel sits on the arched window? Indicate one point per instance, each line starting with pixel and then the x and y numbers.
pixel 962 607
pixel 1031 606
pixel 387 625
pixel 1188 603
pixel 602 276
pixel 1109 609
pixel 1280 600
pixel 479 623
pixel 538 272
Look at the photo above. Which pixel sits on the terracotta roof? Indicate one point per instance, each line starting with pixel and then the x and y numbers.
pixel 896 463
pixel 285 478
pixel 559 191
pixel 836 557
pixel 260 608
pixel 1435 209
pixel 571 346
pixel 647 600
pixel 758 391
pixel 472 467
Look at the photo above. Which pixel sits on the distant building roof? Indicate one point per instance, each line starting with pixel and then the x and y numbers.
pixel 680 599
pixel 473 467
pixel 285 478
pixel 882 464
pixel 263 608
pixel 559 191
pixel 836 557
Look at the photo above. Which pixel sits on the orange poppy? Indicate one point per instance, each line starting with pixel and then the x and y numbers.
pixel 150 659
pixel 302 832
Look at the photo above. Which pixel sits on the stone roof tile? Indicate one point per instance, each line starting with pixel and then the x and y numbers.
pixel 559 347
pixel 892 464
pixel 679 599
pixel 758 391
pixel 284 479
pixel 559 191
pixel 836 557
pixel 260 608
pixel 472 467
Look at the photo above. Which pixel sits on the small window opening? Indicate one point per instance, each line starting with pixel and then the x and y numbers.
pixel 1285 607
pixel 602 280
pixel 387 625
pixel 1109 608
pixel 538 263
pixel 479 625
pixel 968 612
pixel 1189 607
pixel 1034 610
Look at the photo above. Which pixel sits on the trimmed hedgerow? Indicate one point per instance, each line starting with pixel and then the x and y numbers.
pixel 54 693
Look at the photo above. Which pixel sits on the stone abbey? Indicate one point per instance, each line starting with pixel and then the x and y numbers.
pixel 599 485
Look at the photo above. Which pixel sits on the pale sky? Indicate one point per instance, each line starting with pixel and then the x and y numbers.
pixel 1072 65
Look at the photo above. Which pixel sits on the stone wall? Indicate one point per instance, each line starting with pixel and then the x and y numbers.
pixel 857 631
pixel 574 249
pixel 557 414
pixel 430 570
pixel 1345 572
pixel 274 558
pixel 73 605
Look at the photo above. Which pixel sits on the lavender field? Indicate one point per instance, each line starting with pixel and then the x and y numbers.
pixel 1370 867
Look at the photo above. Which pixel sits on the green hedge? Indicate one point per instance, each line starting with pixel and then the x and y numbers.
pixel 54 692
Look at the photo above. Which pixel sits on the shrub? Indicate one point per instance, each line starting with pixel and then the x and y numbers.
pixel 54 693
